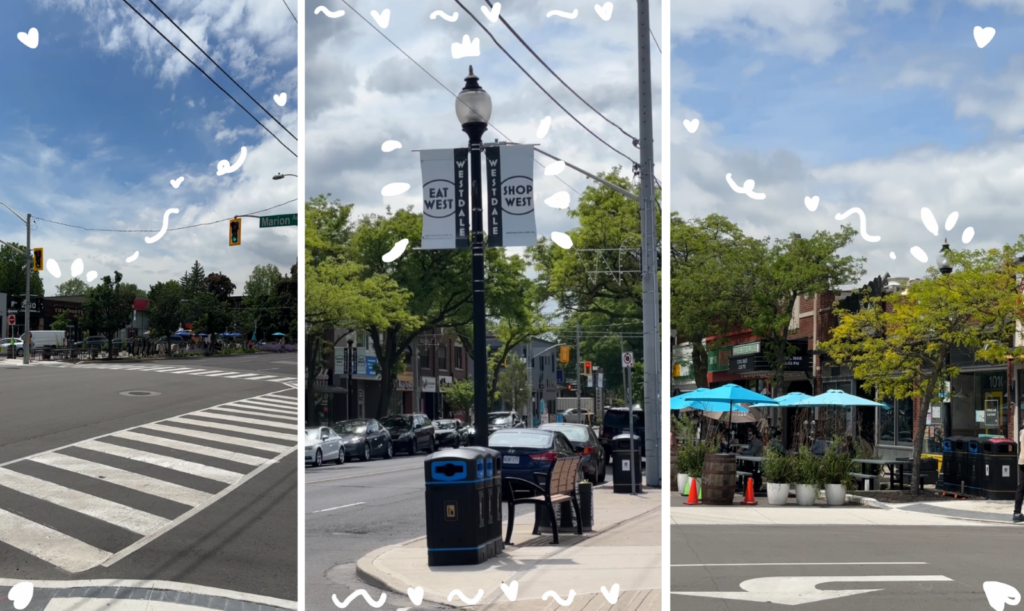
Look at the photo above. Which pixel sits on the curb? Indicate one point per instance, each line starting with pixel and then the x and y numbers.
pixel 866 501
pixel 982 520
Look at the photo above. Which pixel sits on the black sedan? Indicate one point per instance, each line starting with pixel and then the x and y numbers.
pixel 449 433
pixel 364 439
pixel 410 433
pixel 587 445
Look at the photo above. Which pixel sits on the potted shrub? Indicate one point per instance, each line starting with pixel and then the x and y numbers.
pixel 683 461
pixel 836 466
pixel 778 472
pixel 806 476
pixel 696 464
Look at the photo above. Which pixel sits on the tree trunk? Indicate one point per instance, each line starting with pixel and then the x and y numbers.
pixel 387 358
pixel 700 363
pixel 922 417
pixel 312 363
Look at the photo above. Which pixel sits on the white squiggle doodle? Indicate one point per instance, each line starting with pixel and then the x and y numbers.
pixel 328 12
pixel 564 602
pixel 53 267
pixel 444 15
pixel 1000 594
pixel 163 230
pixel 394 253
pixel 559 201
pixel 91 276
pixel 561 239
pixel 395 188
pixel 604 11
pixel 462 597
pixel 929 221
pixel 511 590
pixel 545 125
pixel 554 169
pixel 375 604
pixel 747 188
pixel 20 594
pixel 390 145
pixel 919 254
pixel 224 166
pixel 572 15
pixel 466 48
pixel 132 258
pixel 382 19
pixel 77 267
pixel 863 223
pixel 492 14
pixel 612 596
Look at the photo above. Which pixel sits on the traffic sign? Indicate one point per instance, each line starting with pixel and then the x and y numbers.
pixel 10 319
pixel 627 359
pixel 279 220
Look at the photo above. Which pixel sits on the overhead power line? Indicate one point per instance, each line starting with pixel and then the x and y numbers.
pixel 169 229
pixel 290 11
pixel 655 41
pixel 189 59
pixel 219 67
pixel 555 74
pixel 541 87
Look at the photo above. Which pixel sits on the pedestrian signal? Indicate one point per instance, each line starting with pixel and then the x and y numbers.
pixel 37 259
pixel 235 233
pixel 587 368
pixel 563 355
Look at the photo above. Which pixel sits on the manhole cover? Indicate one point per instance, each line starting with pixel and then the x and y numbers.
pixel 140 393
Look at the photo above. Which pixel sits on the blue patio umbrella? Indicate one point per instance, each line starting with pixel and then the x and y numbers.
pixel 279 333
pixel 686 402
pixel 730 394
pixel 838 398
pixel 788 400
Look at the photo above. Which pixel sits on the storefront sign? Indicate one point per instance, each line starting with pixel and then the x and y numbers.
pixel 742 349
pixel 404 382
pixel 428 384
pixel 443 382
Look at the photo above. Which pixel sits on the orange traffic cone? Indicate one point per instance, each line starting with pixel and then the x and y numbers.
pixel 692 499
pixel 748 498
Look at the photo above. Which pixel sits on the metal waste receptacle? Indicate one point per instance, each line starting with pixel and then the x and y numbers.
pixel 955 474
pixel 997 474
pixel 460 507
pixel 975 468
pixel 492 473
pixel 625 462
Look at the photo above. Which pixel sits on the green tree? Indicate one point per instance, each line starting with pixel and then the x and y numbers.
pixel 214 317
pixel 712 263
pixel 514 386
pixel 108 308
pixel 459 397
pixel 165 308
pixel 219 286
pixel 898 344
pixel 193 283
pixel 12 272
pixel 60 322
pixel 510 333
pixel 260 297
pixel 71 286
pixel 787 269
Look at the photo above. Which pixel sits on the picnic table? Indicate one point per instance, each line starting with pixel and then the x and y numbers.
pixel 892 464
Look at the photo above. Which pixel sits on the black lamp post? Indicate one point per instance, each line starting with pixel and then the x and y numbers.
pixel 350 358
pixel 945 267
pixel 473 109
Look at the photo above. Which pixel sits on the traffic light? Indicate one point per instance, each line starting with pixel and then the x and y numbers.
pixel 570 386
pixel 563 354
pixel 235 234
pixel 587 368
pixel 37 259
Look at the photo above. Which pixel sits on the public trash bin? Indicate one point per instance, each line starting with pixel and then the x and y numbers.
pixel 998 472
pixel 975 467
pixel 955 464
pixel 460 507
pixel 625 462
pixel 492 473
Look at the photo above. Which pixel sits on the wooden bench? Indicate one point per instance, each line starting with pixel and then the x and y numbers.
pixel 862 477
pixel 556 485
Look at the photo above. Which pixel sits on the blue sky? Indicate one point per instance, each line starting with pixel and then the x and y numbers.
pixel 103 114
pixel 886 105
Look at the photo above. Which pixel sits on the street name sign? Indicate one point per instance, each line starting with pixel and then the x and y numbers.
pixel 279 220
pixel 510 201
pixel 445 198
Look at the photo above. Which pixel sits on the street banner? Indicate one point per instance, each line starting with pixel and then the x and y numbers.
pixel 445 198
pixel 510 196
pixel 600 380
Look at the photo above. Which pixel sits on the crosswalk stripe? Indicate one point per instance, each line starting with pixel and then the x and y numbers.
pixel 291 407
pixel 265 408
pixel 261 378
pixel 247 443
pixel 207 372
pixel 189 371
pixel 242 375
pixel 125 479
pixel 291 401
pixel 126 517
pixel 183 466
pixel 282 380
pixel 217 375
pixel 195 448
pixel 236 429
pixel 278 418
pixel 283 426
pixel 58 549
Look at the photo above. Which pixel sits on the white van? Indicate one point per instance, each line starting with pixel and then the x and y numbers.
pixel 44 339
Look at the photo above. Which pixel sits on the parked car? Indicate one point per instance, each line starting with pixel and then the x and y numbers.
pixel 449 433
pixel 323 444
pixel 18 345
pixel 578 416
pixel 587 445
pixel 527 451
pixel 616 422
pixel 364 439
pixel 410 432
pixel 504 420
pixel 93 341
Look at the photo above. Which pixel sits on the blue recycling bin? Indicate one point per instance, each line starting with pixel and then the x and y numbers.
pixel 463 506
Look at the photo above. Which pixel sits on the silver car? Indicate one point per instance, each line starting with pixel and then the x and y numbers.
pixel 323 444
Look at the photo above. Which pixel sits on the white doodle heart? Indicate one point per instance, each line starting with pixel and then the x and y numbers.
pixel 1000 594
pixel 281 98
pixel 416 595
pixel 511 590
pixel 604 11
pixel 811 203
pixel 30 40
pixel 492 13
pixel 21 594
pixel 691 126
pixel 612 596
pixel 177 182
pixel 982 36
pixel 382 18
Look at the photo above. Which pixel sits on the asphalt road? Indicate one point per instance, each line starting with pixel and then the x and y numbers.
pixel 93 487
pixel 353 509
pixel 940 567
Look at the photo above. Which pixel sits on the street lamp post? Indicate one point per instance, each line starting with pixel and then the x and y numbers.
pixel 473 109
pixel 26 342
pixel 349 358
pixel 279 176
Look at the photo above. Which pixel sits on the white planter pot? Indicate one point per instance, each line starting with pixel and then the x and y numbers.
pixel 778 494
pixel 806 494
pixel 835 494
pixel 681 480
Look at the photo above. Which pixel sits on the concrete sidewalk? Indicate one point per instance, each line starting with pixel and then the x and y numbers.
pixel 623 550
pixel 998 512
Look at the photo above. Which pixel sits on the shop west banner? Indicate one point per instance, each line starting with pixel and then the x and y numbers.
pixel 510 207
pixel 445 198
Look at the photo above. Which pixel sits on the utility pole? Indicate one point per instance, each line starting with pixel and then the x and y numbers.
pixel 26 342
pixel 578 402
pixel 416 375
pixel 649 253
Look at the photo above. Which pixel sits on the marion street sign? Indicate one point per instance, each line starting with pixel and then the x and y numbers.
pixel 279 220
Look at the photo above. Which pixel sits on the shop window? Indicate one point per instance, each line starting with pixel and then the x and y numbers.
pixel 457 354
pixel 896 425
pixel 442 357
pixel 424 357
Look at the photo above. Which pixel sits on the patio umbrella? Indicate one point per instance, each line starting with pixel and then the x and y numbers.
pixel 738 415
pixel 787 400
pixel 279 333
pixel 731 394
pixel 838 398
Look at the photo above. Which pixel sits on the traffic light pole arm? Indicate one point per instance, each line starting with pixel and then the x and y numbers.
pixel 13 247
pixel 616 188
pixel 14 213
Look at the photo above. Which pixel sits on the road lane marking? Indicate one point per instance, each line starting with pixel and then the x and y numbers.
pixel 195 448
pixel 280 426
pixel 340 507
pixel 55 547
pixel 137 521
pixel 176 464
pixel 283 401
pixel 277 418
pixel 800 564
pixel 246 443
pixel 320 481
pixel 268 408
pixel 802 590
pixel 230 427
pixel 125 479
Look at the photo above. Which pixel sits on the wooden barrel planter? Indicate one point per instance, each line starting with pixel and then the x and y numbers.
pixel 719 479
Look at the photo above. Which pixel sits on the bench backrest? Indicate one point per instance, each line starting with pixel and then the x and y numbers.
pixel 562 476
